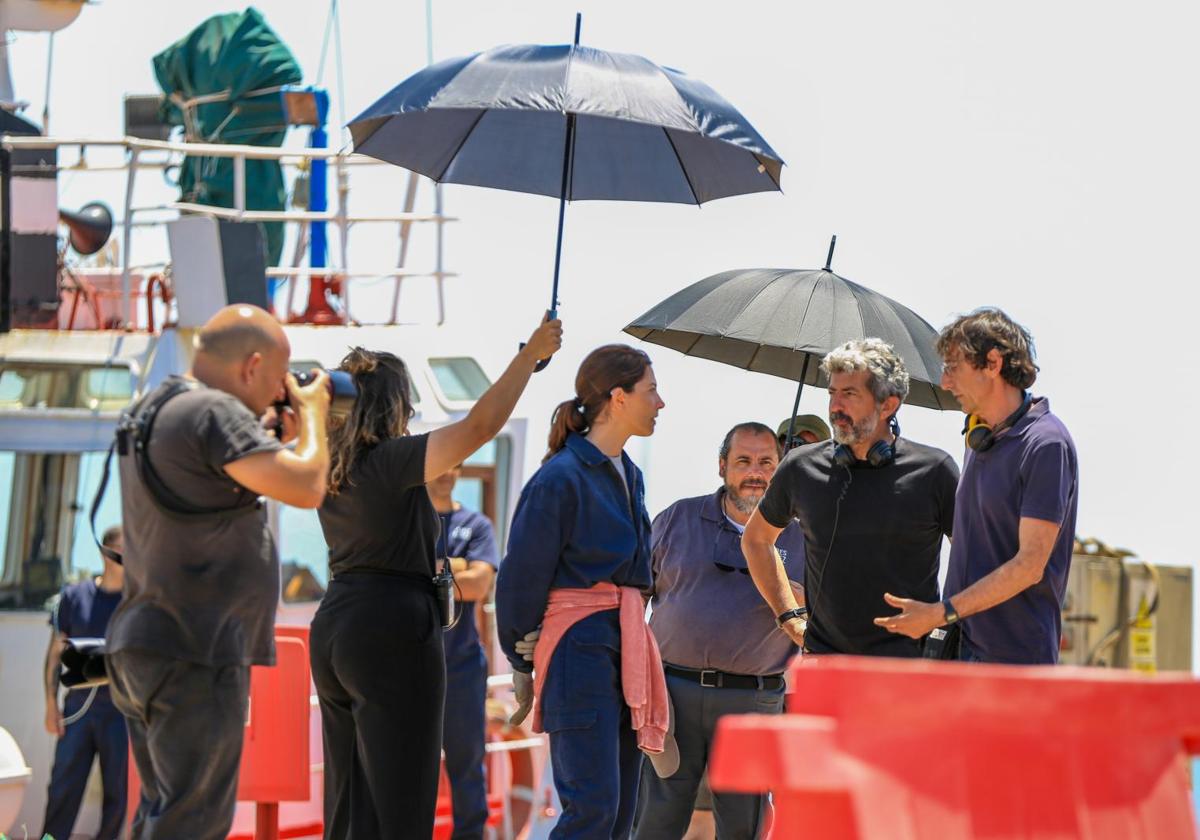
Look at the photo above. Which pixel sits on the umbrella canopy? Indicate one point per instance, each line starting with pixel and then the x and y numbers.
pixel 783 321
pixel 629 129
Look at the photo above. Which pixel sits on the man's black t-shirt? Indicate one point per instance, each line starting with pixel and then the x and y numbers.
pixel 889 528
pixel 381 520
pixel 196 589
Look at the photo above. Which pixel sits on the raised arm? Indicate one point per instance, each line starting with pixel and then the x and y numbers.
pixel 450 445
pixel 295 477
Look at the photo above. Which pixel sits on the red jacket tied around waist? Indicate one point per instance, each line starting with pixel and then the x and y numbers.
pixel 642 680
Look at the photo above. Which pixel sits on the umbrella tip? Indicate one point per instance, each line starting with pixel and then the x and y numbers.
pixel 578 26
pixel 829 256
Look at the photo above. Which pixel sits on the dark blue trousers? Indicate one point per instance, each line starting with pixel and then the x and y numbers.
pixel 464 733
pixel 100 732
pixel 593 749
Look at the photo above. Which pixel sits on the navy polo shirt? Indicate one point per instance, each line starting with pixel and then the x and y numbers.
pixel 574 526
pixel 469 535
pixel 1031 471
pixel 82 612
pixel 707 612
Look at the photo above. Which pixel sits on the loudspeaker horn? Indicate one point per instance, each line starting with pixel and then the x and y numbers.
pixel 90 227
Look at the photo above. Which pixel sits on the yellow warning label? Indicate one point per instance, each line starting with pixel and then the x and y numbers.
pixel 1142 654
pixel 1141 644
pixel 1143 620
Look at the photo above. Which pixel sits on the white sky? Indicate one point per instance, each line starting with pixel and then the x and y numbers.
pixel 1037 156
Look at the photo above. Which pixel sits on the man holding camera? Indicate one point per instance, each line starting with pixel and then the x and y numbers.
pixel 873 507
pixel 1014 526
pixel 201 568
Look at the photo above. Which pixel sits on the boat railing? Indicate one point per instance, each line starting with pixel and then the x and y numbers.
pixel 144 154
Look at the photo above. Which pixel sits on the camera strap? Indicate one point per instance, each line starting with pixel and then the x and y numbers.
pixel 133 438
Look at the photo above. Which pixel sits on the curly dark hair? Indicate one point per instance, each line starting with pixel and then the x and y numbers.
pixel 990 329
pixel 382 410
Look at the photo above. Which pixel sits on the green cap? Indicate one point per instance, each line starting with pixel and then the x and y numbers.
pixel 804 423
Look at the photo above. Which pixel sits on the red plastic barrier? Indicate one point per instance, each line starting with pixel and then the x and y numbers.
pixel 908 750
pixel 275 761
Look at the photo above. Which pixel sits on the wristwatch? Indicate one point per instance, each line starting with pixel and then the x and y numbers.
pixel 951 613
pixel 788 615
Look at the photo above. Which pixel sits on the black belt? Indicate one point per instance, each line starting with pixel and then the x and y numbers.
pixel 719 679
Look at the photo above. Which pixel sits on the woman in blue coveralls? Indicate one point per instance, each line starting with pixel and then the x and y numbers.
pixel 582 520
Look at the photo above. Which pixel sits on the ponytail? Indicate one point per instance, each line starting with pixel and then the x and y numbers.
pixel 568 417
pixel 605 368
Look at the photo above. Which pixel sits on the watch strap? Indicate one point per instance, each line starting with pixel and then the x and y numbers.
pixel 950 613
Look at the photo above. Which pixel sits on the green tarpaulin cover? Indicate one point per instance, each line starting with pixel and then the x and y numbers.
pixel 237 53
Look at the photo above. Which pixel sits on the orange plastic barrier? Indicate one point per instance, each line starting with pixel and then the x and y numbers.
pixel 910 750
pixel 275 760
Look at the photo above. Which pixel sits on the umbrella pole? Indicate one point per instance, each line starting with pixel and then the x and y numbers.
pixel 829 257
pixel 799 389
pixel 568 154
pixel 564 191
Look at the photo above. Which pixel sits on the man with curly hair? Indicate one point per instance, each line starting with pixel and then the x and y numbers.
pixel 1014 521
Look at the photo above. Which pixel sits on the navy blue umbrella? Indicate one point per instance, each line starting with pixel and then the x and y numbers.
pixel 570 122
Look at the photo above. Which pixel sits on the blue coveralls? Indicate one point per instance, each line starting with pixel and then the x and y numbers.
pixel 575 527
pixel 468 535
pixel 83 611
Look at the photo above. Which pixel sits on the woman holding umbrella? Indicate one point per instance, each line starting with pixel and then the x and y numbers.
pixel 578 561
pixel 376 643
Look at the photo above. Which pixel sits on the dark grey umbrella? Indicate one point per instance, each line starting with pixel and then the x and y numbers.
pixel 570 122
pixel 782 321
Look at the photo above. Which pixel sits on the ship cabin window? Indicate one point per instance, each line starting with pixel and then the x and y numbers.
pixel 45 499
pixel 33 385
pixel 460 378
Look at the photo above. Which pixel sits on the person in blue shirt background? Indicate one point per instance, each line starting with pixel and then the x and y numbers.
pixel 85 730
pixel 468 543
pixel 581 522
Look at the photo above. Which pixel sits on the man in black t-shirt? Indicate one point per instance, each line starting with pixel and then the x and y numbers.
pixel 202 585
pixel 873 508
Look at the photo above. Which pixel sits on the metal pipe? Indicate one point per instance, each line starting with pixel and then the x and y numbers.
pixel 239 184
pixel 410 198
pixel 127 233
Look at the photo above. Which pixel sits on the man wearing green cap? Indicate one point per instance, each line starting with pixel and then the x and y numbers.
pixel 808 428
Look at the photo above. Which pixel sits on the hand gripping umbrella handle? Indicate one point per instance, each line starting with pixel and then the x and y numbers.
pixel 542 363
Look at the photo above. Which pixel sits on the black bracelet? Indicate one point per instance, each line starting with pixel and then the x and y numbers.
pixel 788 615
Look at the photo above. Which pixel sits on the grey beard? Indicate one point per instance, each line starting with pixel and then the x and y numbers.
pixel 744 503
pixel 859 432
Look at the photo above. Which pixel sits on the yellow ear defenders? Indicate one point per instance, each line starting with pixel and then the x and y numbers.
pixel 981 437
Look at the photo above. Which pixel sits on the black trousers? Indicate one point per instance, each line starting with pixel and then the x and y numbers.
pixel 186 723
pixel 377 662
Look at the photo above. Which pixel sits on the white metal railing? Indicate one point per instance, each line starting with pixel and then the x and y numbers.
pixel 138 158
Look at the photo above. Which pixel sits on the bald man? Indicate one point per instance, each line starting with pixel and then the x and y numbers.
pixel 201 569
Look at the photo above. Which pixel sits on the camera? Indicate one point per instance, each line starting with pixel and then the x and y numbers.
pixel 341 384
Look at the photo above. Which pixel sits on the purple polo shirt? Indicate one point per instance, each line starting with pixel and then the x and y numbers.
pixel 1031 471
pixel 706 616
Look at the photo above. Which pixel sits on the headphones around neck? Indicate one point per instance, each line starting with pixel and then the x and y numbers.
pixel 880 454
pixel 981 437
